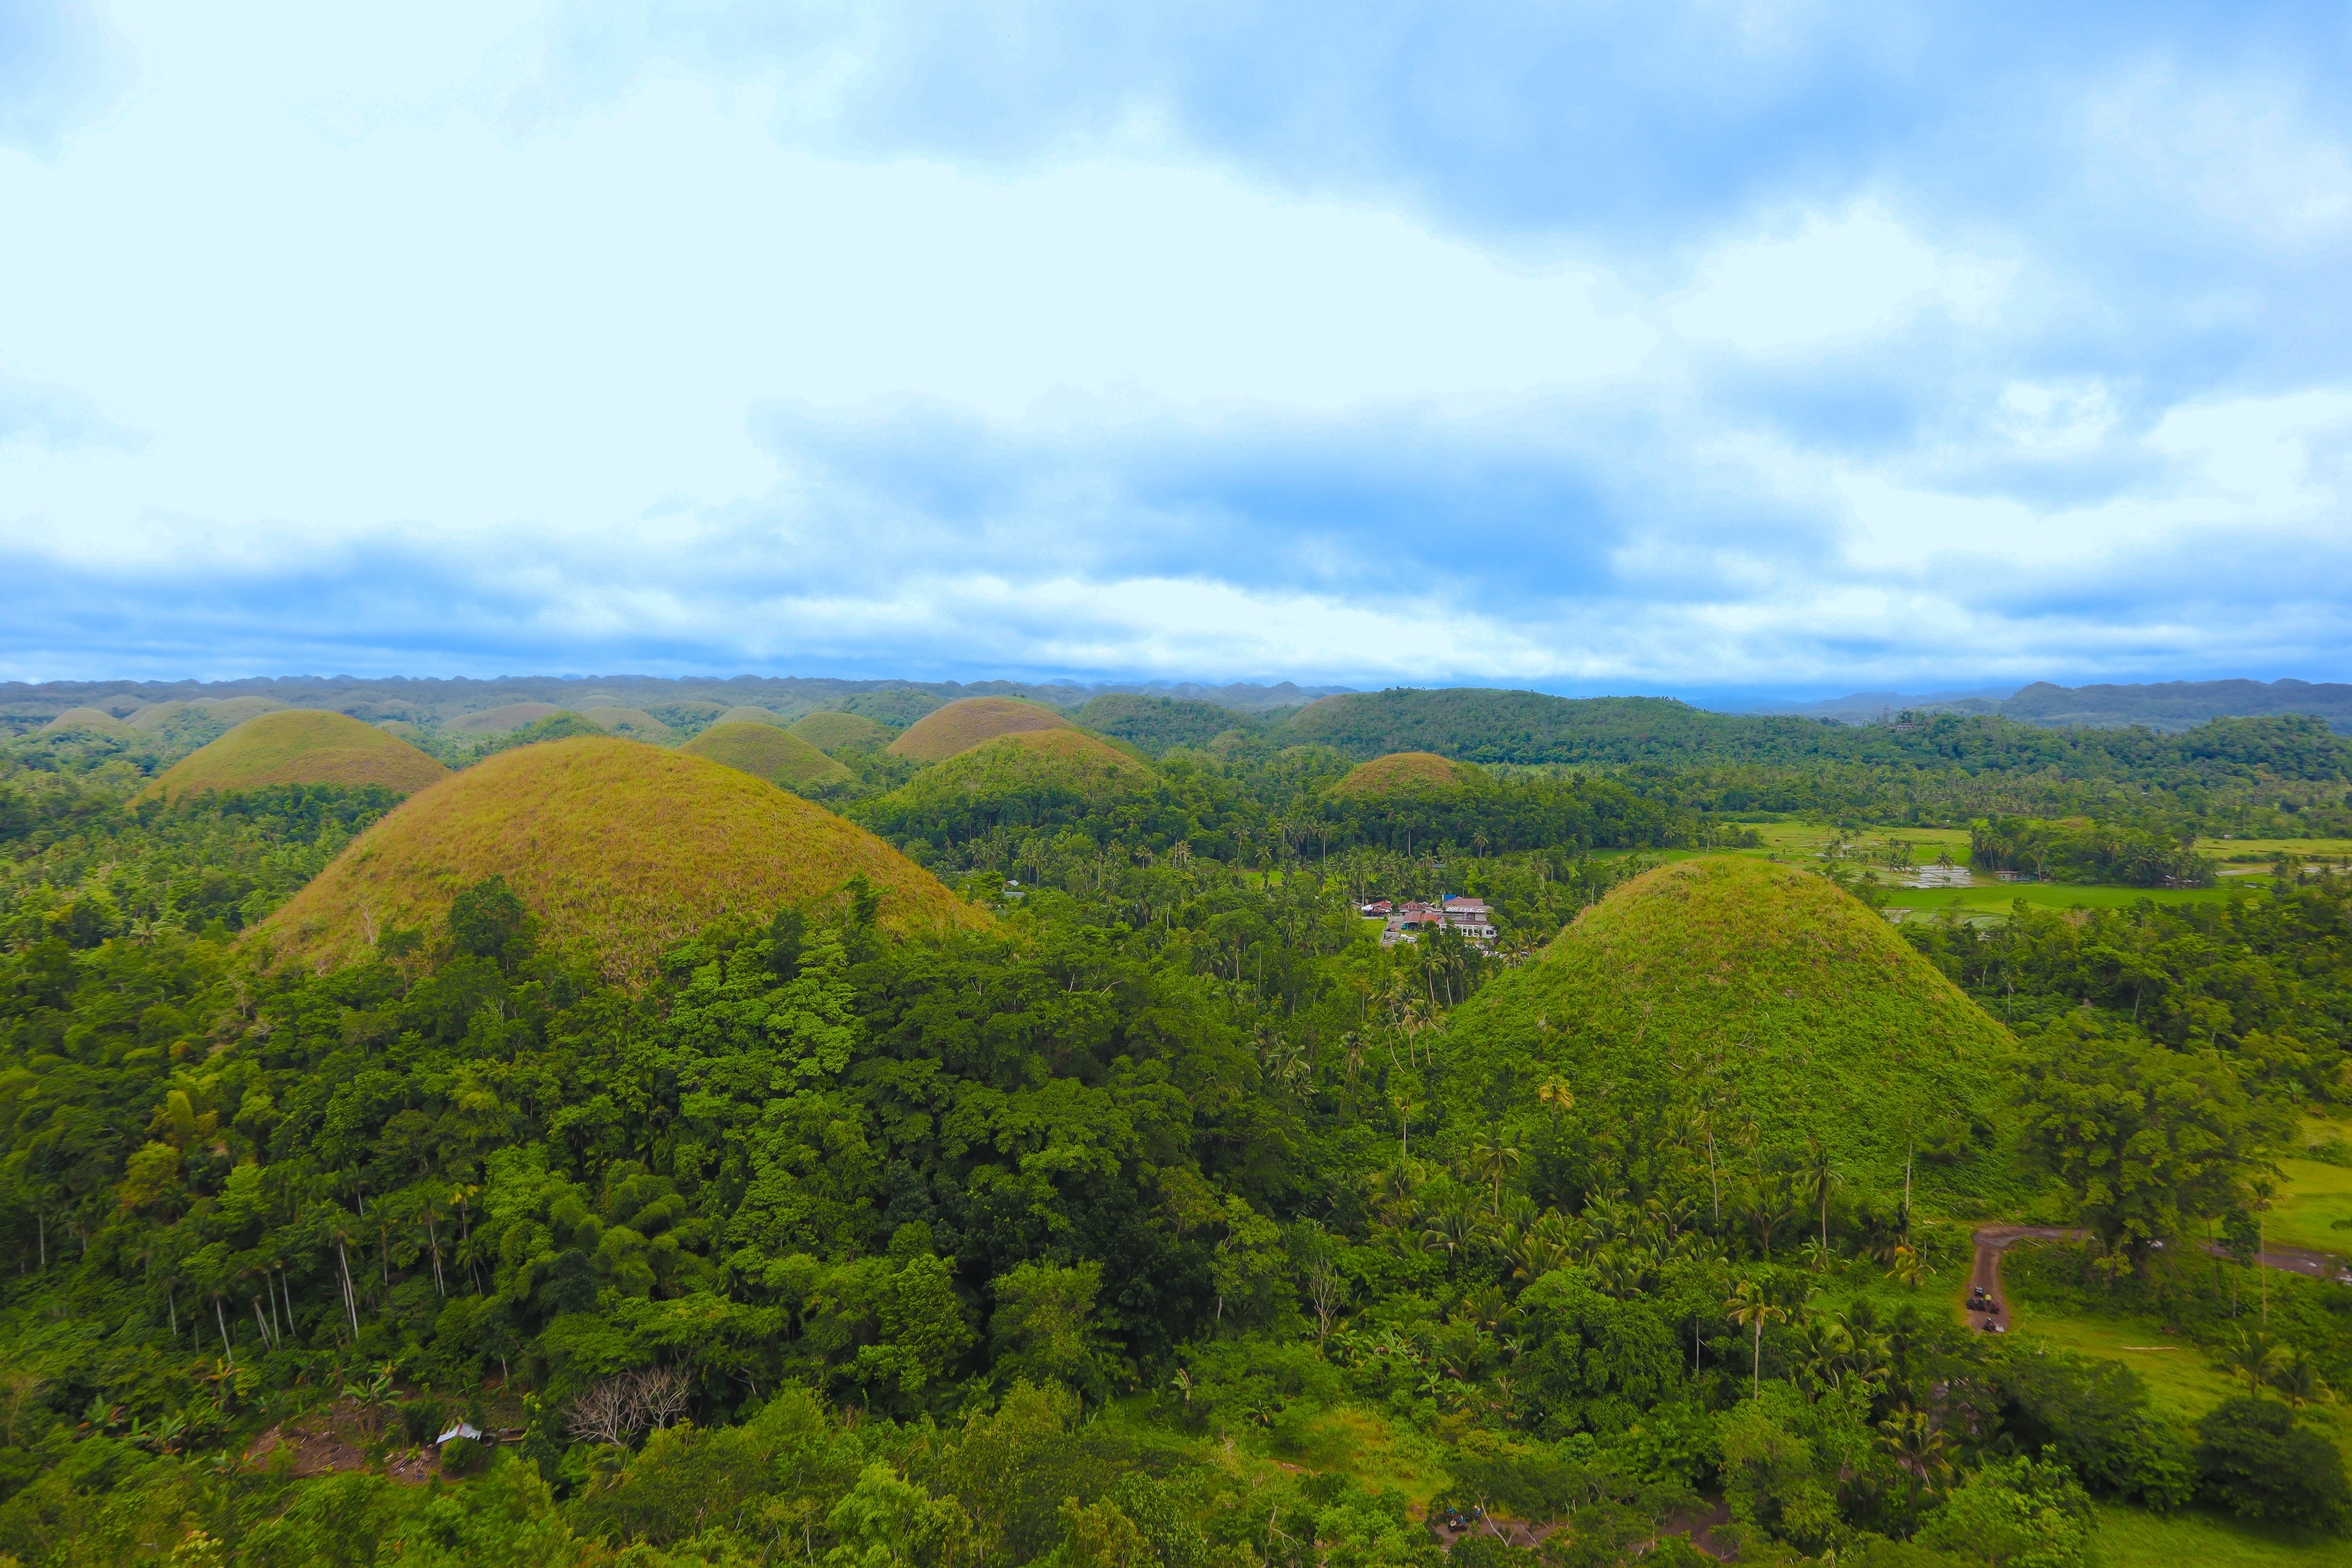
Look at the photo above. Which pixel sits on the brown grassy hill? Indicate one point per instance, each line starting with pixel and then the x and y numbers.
pixel 621 849
pixel 499 720
pixel 300 745
pixel 634 722
pixel 1408 773
pixel 749 716
pixel 89 721
pixel 1770 989
pixel 768 751
pixel 828 732
pixel 960 726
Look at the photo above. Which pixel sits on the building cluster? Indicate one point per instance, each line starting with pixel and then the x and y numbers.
pixel 1410 921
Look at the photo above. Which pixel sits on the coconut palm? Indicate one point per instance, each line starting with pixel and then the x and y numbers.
pixel 2254 1356
pixel 1555 1096
pixel 1920 1449
pixel 2297 1377
pixel 1818 1179
pixel 1751 1306
pixel 1493 1157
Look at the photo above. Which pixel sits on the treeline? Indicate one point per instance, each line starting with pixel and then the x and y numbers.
pixel 1262 807
pixel 2079 851
pixel 2265 979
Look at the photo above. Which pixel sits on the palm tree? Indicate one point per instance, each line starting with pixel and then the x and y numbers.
pixel 2254 1355
pixel 1555 1095
pixel 2297 1378
pixel 1817 1180
pixel 1910 1267
pixel 1918 1448
pixel 1751 1306
pixel 1493 1157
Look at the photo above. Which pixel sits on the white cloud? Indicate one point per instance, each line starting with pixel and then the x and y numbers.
pixel 1816 281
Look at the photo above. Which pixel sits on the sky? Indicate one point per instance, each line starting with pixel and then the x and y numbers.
pixel 1787 349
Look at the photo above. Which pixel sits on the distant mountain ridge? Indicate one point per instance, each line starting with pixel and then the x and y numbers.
pixel 2166 705
pixel 435 700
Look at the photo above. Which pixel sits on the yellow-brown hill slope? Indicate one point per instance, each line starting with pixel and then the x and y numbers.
pixel 620 849
pixel 92 720
pixel 766 752
pixel 1408 773
pixel 300 745
pixel 828 732
pixel 1767 989
pixel 960 726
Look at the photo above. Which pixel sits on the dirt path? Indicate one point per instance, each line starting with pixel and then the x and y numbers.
pixel 1993 1240
pixel 2296 1260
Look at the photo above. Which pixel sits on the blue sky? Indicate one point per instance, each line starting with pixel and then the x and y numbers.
pixel 1596 348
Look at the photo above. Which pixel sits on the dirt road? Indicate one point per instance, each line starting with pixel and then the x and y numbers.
pixel 1993 1240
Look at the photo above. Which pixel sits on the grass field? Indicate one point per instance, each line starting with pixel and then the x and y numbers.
pixel 2132 1538
pixel 2314 1198
pixel 1801 843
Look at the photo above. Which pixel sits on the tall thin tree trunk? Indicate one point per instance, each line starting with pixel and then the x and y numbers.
pixel 220 1320
pixel 351 1297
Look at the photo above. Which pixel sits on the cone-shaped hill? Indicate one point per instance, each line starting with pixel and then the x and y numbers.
pixel 829 732
pixel 748 715
pixel 962 725
pixel 766 752
pixel 621 849
pixel 634 722
pixel 1764 987
pixel 499 720
pixel 1029 777
pixel 1408 773
pixel 90 721
pixel 299 745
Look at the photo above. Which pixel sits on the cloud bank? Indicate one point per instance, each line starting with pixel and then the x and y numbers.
pixel 1680 347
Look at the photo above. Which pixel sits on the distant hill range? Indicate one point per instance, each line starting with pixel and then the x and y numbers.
pixel 2166 705
pixel 686 704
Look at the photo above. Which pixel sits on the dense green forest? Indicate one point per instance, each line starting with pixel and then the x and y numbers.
pixel 1156 1224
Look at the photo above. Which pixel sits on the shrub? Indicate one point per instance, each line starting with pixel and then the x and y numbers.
pixel 2020 1512
pixel 421 1420
pixel 2253 1459
pixel 2094 1417
pixel 464 1457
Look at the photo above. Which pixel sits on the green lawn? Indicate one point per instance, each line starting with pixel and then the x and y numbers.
pixel 2131 1538
pixel 1800 843
pixel 1996 897
pixel 2313 1199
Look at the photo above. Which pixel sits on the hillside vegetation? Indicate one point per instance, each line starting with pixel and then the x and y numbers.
pixel 1027 778
pixel 1408 773
pixel 299 746
pixel 619 849
pixel 1760 992
pixel 510 716
pixel 634 722
pixel 89 719
pixel 767 752
pixel 1155 724
pixel 960 726
pixel 828 732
